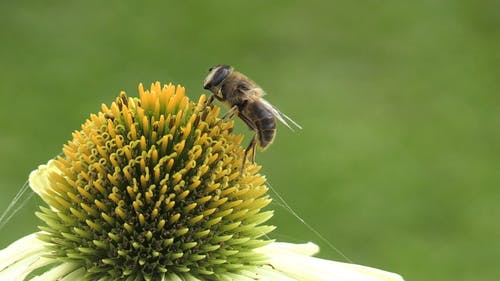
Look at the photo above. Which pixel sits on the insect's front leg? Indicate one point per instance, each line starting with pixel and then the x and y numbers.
pixel 210 100
pixel 231 112
pixel 213 96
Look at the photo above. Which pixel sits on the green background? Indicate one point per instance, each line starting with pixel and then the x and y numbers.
pixel 398 164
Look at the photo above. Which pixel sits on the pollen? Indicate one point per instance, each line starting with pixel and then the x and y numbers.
pixel 152 186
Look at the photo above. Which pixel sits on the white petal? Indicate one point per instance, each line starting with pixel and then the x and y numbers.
pixel 58 272
pixel 75 275
pixel 20 249
pixel 16 269
pixel 289 260
pixel 39 262
pixel 39 178
pixel 271 274
pixel 308 249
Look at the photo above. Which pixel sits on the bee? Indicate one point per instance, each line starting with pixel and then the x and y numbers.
pixel 244 97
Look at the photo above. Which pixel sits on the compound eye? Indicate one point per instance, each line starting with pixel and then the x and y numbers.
pixel 219 75
pixel 210 69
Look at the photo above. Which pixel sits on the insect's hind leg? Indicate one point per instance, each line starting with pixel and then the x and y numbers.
pixel 251 147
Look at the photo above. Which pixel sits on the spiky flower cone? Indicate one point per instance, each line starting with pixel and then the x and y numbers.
pixel 151 186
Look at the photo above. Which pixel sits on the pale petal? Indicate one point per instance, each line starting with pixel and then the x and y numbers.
pixel 24 247
pixel 58 272
pixel 268 273
pixel 38 263
pixel 75 275
pixel 39 178
pixel 288 259
pixel 308 249
pixel 18 268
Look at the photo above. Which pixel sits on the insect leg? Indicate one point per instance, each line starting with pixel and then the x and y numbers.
pixel 210 99
pixel 231 112
pixel 251 146
pixel 253 142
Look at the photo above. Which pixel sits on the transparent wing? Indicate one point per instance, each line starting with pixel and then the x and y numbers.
pixel 283 118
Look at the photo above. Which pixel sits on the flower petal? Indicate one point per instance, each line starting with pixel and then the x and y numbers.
pixel 290 260
pixel 59 272
pixel 20 249
pixel 308 249
pixel 39 179
pixel 22 257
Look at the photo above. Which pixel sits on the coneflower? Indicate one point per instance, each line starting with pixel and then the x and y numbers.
pixel 151 188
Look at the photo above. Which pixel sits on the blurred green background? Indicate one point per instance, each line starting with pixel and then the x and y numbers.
pixel 398 164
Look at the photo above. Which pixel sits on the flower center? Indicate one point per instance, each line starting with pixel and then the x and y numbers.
pixel 152 186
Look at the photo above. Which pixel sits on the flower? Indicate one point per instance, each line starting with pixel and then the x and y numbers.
pixel 151 188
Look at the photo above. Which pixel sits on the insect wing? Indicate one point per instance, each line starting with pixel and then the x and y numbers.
pixel 281 116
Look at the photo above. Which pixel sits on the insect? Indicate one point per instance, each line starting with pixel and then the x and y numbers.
pixel 244 97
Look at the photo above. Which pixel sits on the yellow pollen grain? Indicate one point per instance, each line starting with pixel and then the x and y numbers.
pixel 131 192
pixel 182 231
pixel 189 207
pixel 73 197
pixel 143 143
pixel 77 213
pixel 221 214
pixel 114 197
pixel 114 110
pixel 154 213
pixel 133 132
pixel 187 130
pixel 202 170
pixel 231 204
pixel 157 174
pixel 100 205
pixel 148 195
pixel 127 152
pixel 136 204
pixel 141 218
pixel 201 103
pixel 195 219
pixel 183 195
pixel 208 212
pixel 119 211
pixel 161 224
pixel 211 187
pixel 170 205
pixel 174 218
pixel 98 185
pixel 145 125
pixel 126 173
pixel 112 159
pixel 128 227
pixel 107 218
pixel 217 203
pixel 154 154
pixel 111 128
pixel 91 211
pixel 194 184
pixel 112 179
pixel 85 194
pixel 93 225
pixel 212 222
pixel 179 146
pixel 170 164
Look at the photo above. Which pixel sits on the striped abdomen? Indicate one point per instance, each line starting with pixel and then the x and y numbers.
pixel 263 121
